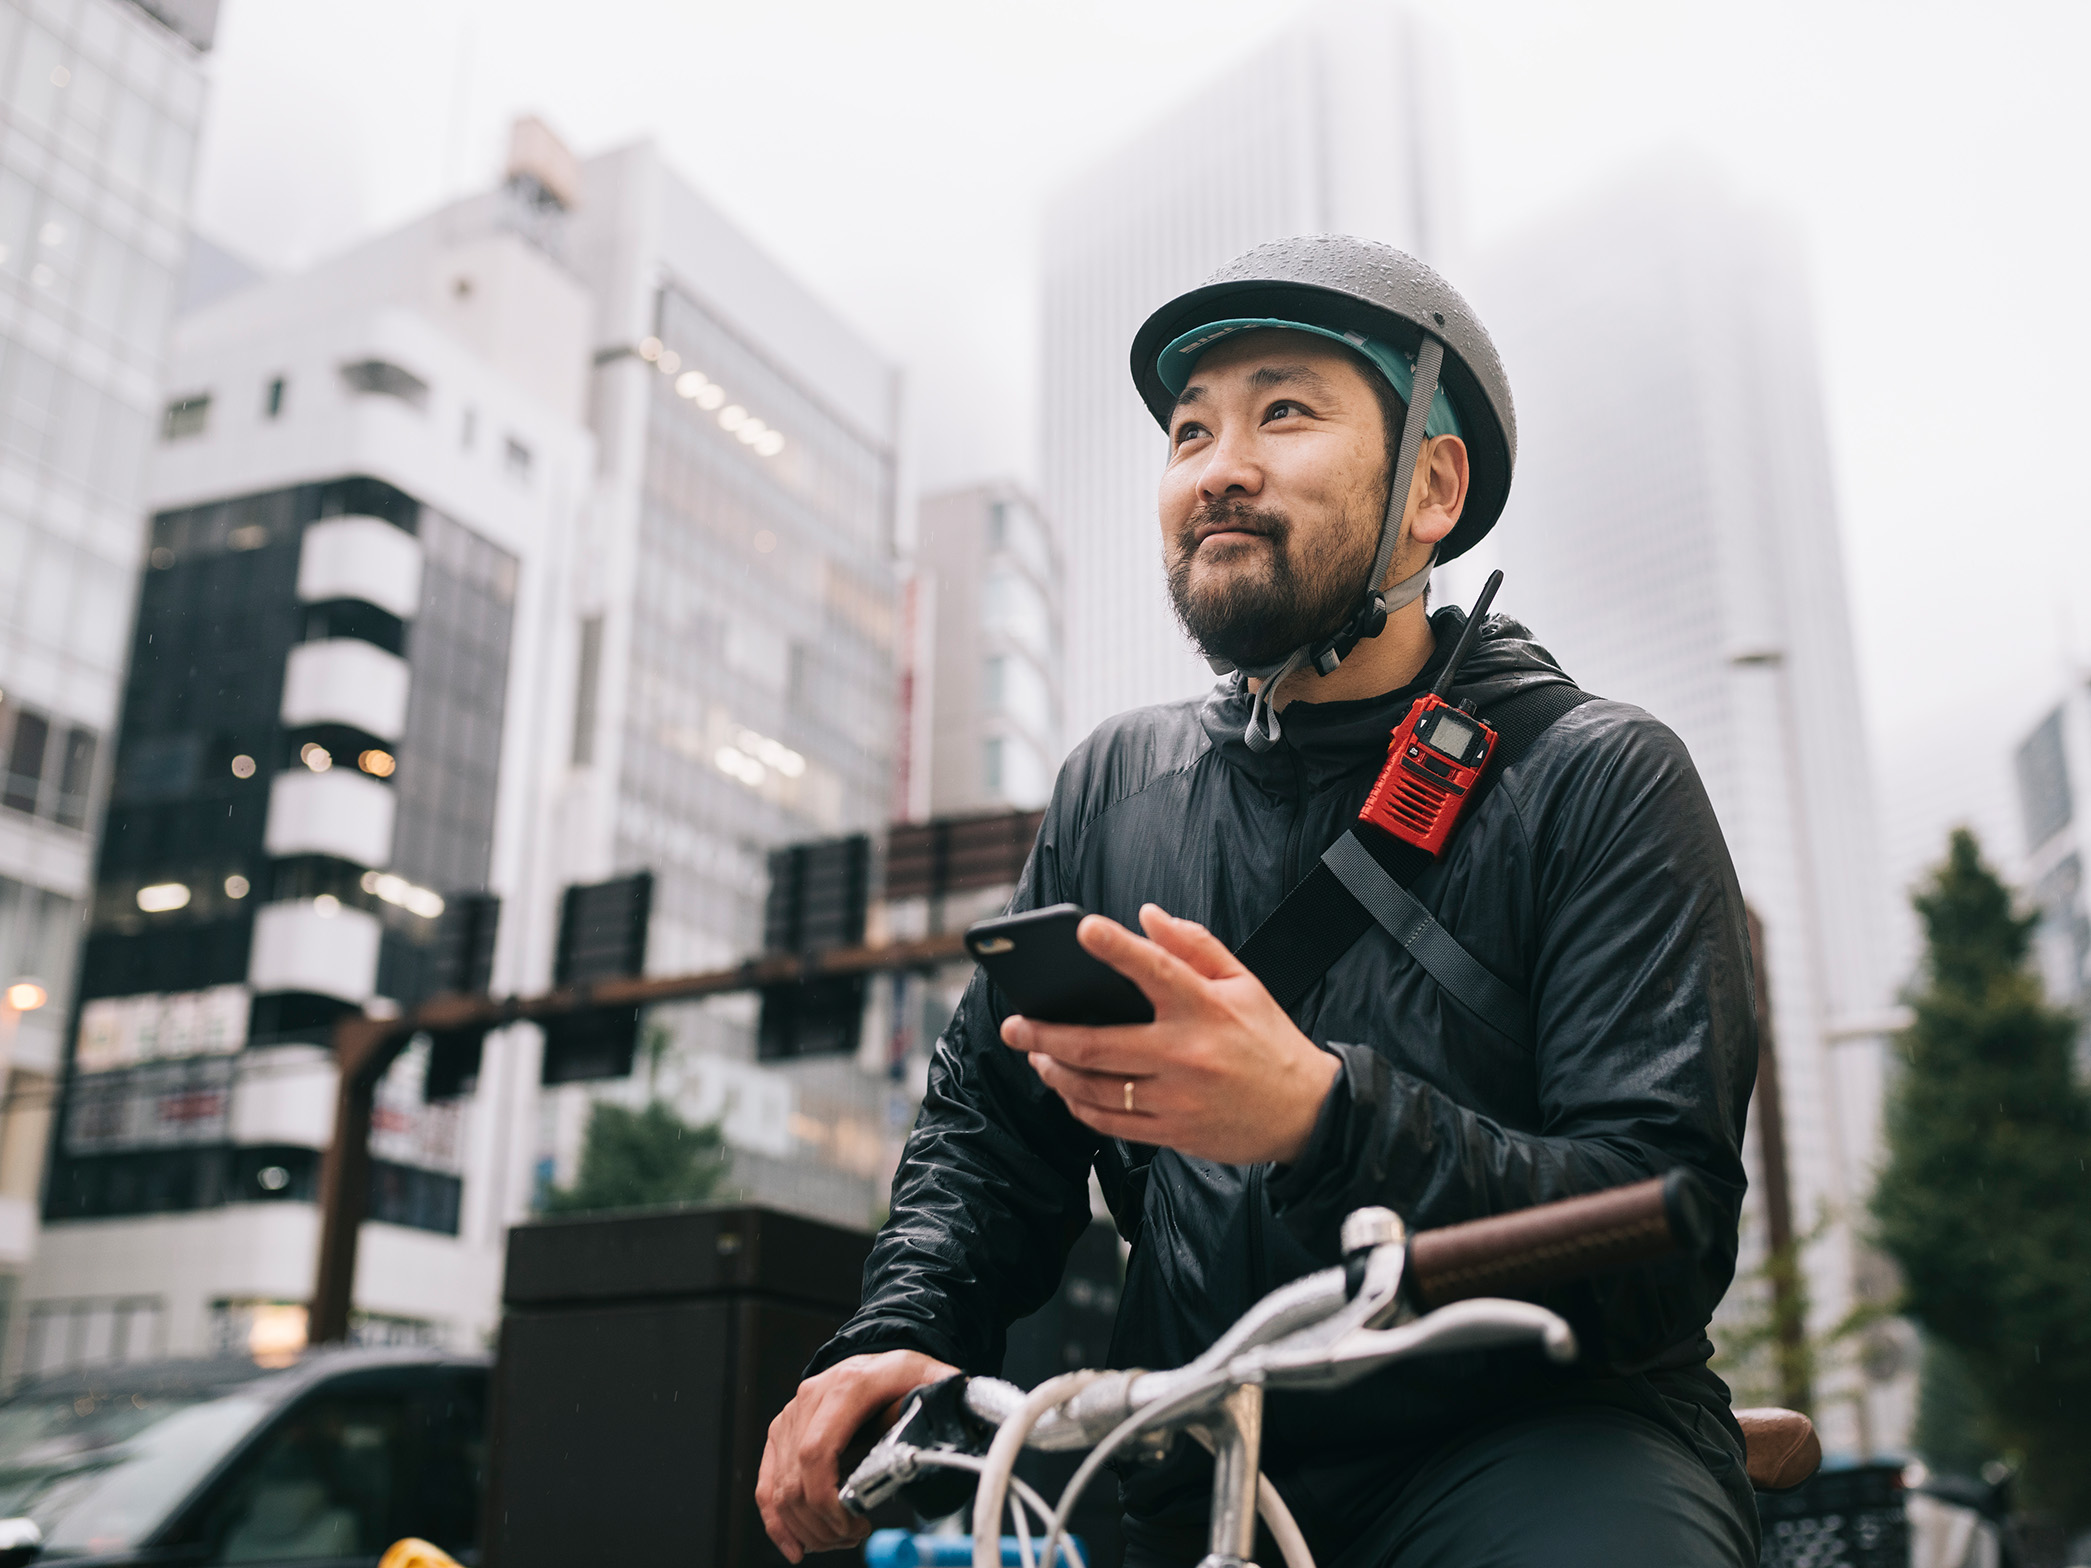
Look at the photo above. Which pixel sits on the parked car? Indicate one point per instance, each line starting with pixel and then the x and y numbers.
pixel 323 1463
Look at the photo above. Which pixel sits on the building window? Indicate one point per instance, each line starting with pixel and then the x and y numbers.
pixel 272 399
pixel 26 748
pixel 998 525
pixel 991 751
pixel 468 427
pixel 33 744
pixel 994 676
pixel 75 774
pixel 517 460
pixel 185 416
pixel 382 378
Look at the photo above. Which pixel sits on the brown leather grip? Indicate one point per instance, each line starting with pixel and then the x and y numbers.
pixel 1509 1254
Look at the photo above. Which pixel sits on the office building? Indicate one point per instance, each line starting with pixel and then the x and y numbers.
pixel 1330 127
pixel 1672 537
pixel 102 102
pixel 737 627
pixel 984 702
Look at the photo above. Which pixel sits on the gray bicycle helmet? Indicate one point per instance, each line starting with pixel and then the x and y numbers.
pixel 1401 317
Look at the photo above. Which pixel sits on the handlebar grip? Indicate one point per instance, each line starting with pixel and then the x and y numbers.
pixel 1508 1253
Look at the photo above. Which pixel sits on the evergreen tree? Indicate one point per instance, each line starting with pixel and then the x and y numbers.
pixel 1986 1202
pixel 636 1159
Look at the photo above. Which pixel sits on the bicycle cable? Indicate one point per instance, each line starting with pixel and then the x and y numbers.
pixel 999 1466
pixel 1127 1429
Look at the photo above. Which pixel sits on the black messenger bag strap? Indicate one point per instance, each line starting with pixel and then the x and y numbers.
pixel 1363 881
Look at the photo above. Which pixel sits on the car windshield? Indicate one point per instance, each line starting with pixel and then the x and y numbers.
pixel 99 1471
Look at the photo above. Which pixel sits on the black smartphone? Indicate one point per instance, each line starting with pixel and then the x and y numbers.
pixel 1046 974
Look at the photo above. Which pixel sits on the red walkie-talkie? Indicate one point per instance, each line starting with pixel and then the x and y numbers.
pixel 1436 756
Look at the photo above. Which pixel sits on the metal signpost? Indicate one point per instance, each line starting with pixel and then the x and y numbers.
pixel 365 1047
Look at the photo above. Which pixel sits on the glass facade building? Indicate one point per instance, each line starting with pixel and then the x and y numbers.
pixel 758 702
pixel 100 107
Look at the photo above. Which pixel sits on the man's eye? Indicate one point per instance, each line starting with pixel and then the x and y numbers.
pixel 1284 409
pixel 1190 429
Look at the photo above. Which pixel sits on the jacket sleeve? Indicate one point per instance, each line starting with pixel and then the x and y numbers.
pixel 1645 1049
pixel 991 1193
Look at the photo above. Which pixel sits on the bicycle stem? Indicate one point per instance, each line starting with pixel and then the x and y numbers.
pixel 1237 1460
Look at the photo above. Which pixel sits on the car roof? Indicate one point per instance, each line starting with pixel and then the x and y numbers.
pixel 214 1377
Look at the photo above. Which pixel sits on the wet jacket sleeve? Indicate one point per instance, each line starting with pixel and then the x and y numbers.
pixel 991 1193
pixel 1645 1045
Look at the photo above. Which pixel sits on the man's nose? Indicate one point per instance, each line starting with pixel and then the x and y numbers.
pixel 1230 470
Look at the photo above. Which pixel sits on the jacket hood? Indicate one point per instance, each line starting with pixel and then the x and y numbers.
pixel 1333 738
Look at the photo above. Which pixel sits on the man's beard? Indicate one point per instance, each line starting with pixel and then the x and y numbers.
pixel 1254 612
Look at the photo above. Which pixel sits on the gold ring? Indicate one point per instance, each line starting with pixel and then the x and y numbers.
pixel 1128 1097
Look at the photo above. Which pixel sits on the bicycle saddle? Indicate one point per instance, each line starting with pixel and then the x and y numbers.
pixel 1781 1446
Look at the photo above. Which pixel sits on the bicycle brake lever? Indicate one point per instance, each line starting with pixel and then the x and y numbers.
pixel 933 1419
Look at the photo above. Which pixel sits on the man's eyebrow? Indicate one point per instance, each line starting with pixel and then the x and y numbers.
pixel 1264 377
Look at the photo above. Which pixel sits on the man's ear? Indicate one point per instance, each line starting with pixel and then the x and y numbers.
pixel 1439 494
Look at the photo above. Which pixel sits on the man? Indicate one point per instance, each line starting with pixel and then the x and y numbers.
pixel 1302 503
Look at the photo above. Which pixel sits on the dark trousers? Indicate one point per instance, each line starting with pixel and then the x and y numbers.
pixel 1560 1487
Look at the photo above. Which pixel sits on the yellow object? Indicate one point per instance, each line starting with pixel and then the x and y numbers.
pixel 411 1553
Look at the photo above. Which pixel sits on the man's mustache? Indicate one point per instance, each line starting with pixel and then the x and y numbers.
pixel 1231 517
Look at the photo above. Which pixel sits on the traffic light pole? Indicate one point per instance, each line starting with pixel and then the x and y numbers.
pixel 364 1048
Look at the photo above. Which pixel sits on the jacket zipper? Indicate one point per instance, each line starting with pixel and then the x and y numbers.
pixel 1298 827
pixel 1293 835
pixel 1256 1286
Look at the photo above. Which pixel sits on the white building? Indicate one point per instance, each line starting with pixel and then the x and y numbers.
pixel 985 699
pixel 1672 537
pixel 543 540
pixel 1333 126
pixel 101 102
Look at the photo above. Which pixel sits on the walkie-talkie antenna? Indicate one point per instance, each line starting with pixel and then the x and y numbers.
pixel 1465 645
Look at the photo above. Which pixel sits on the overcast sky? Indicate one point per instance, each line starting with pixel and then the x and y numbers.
pixel 895 156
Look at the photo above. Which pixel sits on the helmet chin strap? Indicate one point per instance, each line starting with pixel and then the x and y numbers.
pixel 1369 619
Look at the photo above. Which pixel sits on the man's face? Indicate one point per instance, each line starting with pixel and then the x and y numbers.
pixel 1272 498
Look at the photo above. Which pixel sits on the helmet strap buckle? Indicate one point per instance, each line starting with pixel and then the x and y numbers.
pixel 1368 620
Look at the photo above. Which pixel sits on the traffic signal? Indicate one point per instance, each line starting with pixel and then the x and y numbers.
pixel 818 893
pixel 463 966
pixel 602 936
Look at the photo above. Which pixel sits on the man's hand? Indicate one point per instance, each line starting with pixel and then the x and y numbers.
pixel 1221 1074
pixel 799 1480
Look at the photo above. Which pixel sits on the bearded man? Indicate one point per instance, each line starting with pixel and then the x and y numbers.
pixel 1337 420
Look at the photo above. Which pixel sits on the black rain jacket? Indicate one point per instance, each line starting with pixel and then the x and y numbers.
pixel 1593 878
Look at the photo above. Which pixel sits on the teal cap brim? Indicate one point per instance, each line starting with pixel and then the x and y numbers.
pixel 1181 356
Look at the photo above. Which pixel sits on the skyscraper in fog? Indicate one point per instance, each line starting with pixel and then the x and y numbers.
pixel 1672 537
pixel 1332 126
pixel 101 101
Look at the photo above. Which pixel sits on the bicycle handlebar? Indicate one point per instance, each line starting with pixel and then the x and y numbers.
pixel 1510 1253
